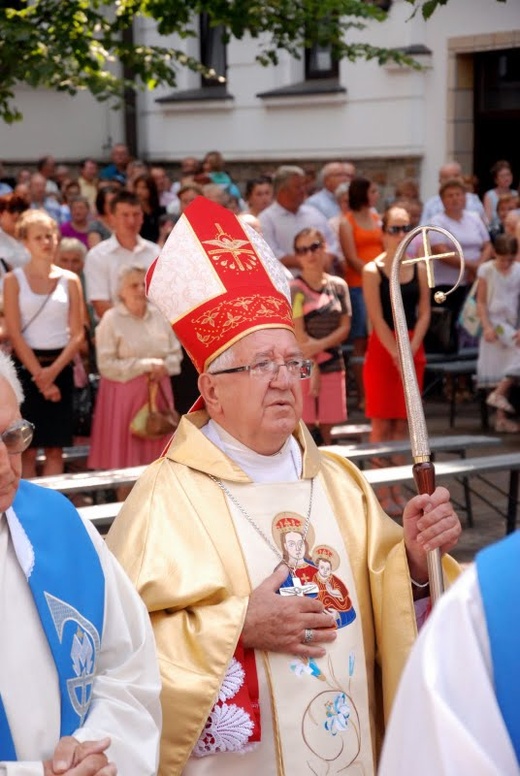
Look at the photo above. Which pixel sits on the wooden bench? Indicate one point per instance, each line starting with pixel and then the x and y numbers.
pixel 102 515
pixel 453 371
pixel 83 482
pixel 351 431
pixel 465 467
pixel 465 354
pixel 456 444
pixel 70 454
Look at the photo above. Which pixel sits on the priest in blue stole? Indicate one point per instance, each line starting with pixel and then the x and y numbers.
pixel 79 683
pixel 456 710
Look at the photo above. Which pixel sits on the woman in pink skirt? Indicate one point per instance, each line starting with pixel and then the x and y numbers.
pixel 134 344
pixel 321 311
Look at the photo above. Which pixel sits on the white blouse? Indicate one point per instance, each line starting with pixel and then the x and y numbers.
pixel 127 346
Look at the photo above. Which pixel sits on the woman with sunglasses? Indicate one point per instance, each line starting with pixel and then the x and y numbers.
pixel 321 310
pixel 385 404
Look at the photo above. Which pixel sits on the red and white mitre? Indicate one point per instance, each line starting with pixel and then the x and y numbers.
pixel 216 280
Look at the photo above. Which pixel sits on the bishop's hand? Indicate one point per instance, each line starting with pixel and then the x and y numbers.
pixel 429 522
pixel 294 625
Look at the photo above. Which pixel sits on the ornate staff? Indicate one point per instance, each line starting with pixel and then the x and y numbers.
pixel 423 468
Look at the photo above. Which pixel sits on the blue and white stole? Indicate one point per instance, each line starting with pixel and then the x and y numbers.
pixel 498 569
pixel 67 582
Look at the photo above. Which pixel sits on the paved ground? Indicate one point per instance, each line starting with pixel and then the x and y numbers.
pixel 489 526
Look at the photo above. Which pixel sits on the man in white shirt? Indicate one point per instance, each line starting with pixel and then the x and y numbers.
pixel 79 683
pixel 289 214
pixel 124 247
pixel 332 175
pixel 434 206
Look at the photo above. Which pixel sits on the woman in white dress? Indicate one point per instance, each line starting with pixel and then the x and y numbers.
pixel 498 306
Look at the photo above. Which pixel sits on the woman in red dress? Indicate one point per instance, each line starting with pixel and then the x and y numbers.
pixel 385 404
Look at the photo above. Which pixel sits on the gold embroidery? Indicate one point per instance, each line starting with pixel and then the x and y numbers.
pixel 214 323
pixel 242 258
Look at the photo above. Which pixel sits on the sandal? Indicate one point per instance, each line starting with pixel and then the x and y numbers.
pixel 499 402
pixel 507 426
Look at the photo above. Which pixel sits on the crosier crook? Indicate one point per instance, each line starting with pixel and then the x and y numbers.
pixel 423 468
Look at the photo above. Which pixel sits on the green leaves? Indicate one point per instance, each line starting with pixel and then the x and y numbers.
pixel 428 7
pixel 70 45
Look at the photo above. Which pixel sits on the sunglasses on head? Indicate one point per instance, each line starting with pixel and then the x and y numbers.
pixel 312 248
pixel 18 436
pixel 399 229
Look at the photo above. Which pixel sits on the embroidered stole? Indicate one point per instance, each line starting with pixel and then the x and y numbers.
pixel 315 713
pixel 67 583
pixel 498 569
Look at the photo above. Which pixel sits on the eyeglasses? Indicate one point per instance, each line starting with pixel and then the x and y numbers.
pixel 18 437
pixel 312 248
pixel 298 369
pixel 399 229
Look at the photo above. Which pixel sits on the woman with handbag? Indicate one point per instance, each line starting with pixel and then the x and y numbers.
pixel 137 352
pixel 43 310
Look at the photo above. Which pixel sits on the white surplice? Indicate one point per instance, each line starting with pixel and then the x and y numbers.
pixel 125 703
pixel 445 720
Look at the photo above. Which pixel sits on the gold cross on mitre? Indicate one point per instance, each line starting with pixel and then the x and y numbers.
pixel 242 257
pixel 429 257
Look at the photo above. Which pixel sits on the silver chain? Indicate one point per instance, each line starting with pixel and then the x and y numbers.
pixel 257 528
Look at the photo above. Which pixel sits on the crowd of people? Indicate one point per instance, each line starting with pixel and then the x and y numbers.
pixel 249 669
pixel 332 237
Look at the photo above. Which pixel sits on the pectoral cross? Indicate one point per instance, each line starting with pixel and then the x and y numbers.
pixel 298 588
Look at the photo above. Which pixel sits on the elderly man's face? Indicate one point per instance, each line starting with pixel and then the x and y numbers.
pixel 259 412
pixel 294 192
pixel 10 465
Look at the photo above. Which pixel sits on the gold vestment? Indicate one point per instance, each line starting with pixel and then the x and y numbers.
pixel 176 540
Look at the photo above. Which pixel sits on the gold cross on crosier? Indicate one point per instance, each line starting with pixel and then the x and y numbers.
pixel 429 257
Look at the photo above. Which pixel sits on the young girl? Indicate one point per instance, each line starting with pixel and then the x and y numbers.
pixel 43 311
pixel 498 305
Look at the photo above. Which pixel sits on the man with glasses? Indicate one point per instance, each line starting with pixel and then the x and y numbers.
pixel 79 685
pixel 257 677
